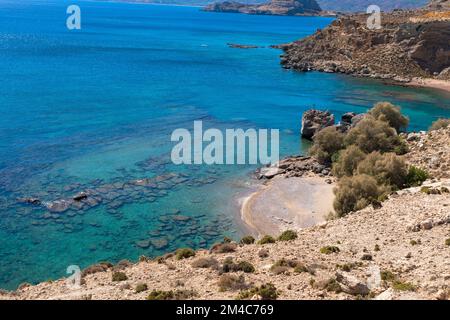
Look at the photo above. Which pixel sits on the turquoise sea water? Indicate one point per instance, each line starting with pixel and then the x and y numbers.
pixel 93 109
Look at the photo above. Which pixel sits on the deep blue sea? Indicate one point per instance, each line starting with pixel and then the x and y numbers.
pixel 93 109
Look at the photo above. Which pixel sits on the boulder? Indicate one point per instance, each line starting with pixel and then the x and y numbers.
pixel 315 120
pixel 351 284
pixel 347 117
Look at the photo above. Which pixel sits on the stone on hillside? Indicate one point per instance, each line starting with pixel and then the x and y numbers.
pixel 351 284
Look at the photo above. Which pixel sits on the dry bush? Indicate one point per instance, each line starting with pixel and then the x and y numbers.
pixel 386 111
pixel 230 282
pixel 205 262
pixel 355 193
pixel 388 169
pixel 373 135
pixel 347 161
pixel 439 124
pixel 327 142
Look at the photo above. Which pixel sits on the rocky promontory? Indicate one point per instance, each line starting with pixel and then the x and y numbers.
pixel 408 45
pixel 273 7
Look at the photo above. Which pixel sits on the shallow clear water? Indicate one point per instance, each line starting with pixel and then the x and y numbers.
pixel 94 109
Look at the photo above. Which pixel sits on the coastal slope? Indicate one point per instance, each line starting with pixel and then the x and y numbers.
pixel 399 250
pixel 408 47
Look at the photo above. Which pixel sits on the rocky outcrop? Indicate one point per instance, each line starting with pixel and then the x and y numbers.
pixel 315 120
pixel 403 48
pixel 430 151
pixel 274 7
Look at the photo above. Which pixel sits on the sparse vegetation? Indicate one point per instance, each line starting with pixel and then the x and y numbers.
pixel 171 295
pixel 247 240
pixel 225 247
pixel 387 275
pixel 231 282
pixel 266 239
pixel 416 177
pixel 141 287
pixel 333 286
pixel 119 276
pixel 288 235
pixel 266 292
pixel 184 253
pixel 329 250
pixel 403 286
pixel 205 262
pixel 440 124
pixel 230 266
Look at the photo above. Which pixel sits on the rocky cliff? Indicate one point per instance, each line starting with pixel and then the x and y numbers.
pixel 274 7
pixel 408 44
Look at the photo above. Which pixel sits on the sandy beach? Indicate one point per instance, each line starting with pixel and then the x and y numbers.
pixel 430 83
pixel 292 203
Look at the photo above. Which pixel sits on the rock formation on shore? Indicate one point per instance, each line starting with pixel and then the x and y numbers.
pixel 409 44
pixel 273 7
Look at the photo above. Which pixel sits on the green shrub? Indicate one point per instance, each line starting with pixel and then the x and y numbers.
pixel 329 250
pixel 301 268
pixel 266 239
pixel 230 282
pixel 347 162
pixel 245 266
pixel 388 169
pixel 403 286
pixel 266 291
pixel 439 124
pixel 387 275
pixel 205 262
pixel 230 266
pixel 184 253
pixel 333 286
pixel 416 176
pixel 430 190
pixel 377 248
pixel 171 295
pixel 447 242
pixel 373 135
pixel 285 263
pixel 355 193
pixel 119 276
pixel 391 114
pixel 247 240
pixel 140 287
pixel 288 235
pixel 327 142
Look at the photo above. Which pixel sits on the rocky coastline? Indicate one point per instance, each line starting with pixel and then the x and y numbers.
pixel 411 47
pixel 273 7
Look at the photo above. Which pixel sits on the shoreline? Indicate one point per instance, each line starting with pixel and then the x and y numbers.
pixel 443 85
pixel 288 203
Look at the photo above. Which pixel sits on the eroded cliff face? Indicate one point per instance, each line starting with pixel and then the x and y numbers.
pixel 274 7
pixel 408 44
